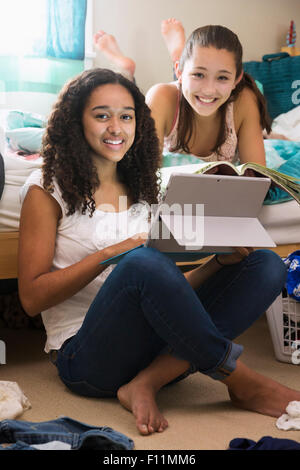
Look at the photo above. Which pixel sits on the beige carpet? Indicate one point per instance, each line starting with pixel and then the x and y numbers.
pixel 198 410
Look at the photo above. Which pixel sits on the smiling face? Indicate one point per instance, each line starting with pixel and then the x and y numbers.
pixel 208 78
pixel 108 122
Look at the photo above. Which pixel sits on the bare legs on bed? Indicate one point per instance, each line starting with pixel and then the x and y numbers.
pixel 107 44
pixel 172 32
pixel 174 36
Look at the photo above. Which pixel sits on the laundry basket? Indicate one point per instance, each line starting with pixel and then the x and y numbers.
pixel 284 323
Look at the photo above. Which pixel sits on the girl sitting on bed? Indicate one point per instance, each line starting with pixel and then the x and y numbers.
pixel 213 110
pixel 129 329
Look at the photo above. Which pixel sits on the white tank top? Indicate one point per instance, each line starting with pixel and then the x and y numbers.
pixel 78 236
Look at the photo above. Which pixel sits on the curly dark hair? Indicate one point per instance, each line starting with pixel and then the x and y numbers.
pixel 66 153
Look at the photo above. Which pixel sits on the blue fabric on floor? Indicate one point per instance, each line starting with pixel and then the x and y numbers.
pixel 265 443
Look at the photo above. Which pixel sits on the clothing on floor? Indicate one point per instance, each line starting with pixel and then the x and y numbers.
pixel 291 419
pixel 62 433
pixel 265 443
pixel 13 402
pixel 293 276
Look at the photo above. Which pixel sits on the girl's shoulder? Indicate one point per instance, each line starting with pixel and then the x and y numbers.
pixel 244 105
pixel 163 100
pixel 163 93
pixel 36 179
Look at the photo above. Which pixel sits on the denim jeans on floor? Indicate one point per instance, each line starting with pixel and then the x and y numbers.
pixel 25 435
pixel 146 307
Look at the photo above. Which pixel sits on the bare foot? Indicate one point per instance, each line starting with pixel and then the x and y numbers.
pixel 262 394
pixel 139 398
pixel 107 44
pixel 174 37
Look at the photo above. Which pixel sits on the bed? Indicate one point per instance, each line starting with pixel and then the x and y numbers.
pixel 17 169
pixel 281 220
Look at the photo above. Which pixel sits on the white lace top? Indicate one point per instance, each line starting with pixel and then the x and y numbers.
pixel 78 236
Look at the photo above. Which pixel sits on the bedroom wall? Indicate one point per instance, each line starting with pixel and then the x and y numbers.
pixel 260 25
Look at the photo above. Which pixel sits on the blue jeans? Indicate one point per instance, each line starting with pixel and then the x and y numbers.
pixel 24 435
pixel 146 307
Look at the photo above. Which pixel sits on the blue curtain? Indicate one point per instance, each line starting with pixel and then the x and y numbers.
pixel 66 29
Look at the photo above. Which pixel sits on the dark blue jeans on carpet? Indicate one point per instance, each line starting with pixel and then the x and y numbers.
pixel 146 307
pixel 25 435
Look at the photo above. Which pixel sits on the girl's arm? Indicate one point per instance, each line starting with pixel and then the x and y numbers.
pixel 39 288
pixel 250 137
pixel 162 100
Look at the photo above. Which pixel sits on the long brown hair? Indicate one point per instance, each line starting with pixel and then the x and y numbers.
pixel 218 37
pixel 66 152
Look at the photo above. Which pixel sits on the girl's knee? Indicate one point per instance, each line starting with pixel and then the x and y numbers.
pixel 146 257
pixel 271 266
pixel 147 260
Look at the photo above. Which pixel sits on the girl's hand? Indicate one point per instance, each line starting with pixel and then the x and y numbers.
pixel 236 257
pixel 126 245
pixel 140 237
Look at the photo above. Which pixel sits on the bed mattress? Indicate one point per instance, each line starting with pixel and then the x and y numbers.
pixel 17 170
pixel 282 221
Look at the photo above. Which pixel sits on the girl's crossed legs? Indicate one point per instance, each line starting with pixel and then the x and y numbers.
pixel 147 326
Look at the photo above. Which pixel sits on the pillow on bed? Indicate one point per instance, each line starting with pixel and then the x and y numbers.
pixel 16 119
pixel 277 73
pixel 28 139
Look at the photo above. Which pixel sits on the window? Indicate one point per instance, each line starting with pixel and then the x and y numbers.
pixel 22 26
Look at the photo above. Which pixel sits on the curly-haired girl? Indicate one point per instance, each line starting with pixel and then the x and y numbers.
pixel 127 330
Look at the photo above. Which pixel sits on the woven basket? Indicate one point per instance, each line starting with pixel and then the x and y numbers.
pixel 277 72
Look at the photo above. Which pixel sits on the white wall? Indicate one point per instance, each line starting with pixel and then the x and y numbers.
pixel 260 24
